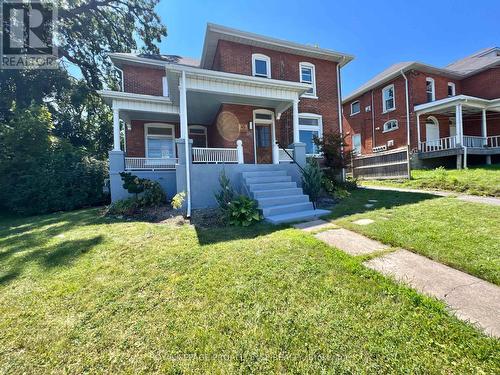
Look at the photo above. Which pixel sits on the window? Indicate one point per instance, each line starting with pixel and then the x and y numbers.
pixel 390 125
pixel 451 89
pixel 308 75
pixel 159 140
pixel 261 66
pixel 356 144
pixel 355 107
pixel 164 82
pixel 310 126
pixel 430 89
pixel 198 134
pixel 263 136
pixel 388 99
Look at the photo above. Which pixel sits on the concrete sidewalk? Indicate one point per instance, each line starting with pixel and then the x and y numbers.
pixel 463 197
pixel 471 299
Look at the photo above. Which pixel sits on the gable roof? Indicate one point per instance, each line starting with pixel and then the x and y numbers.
pixel 459 69
pixel 215 33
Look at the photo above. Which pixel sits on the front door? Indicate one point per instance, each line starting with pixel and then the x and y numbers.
pixel 263 145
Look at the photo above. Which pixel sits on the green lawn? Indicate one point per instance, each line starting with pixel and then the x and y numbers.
pixel 80 294
pixel 483 180
pixel 463 235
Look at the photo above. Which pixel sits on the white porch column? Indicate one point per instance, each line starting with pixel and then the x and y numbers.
pixel 296 134
pixel 183 106
pixel 484 130
pixel 116 129
pixel 458 121
pixel 418 132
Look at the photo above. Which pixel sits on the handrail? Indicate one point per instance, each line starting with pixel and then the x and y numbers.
pixel 291 157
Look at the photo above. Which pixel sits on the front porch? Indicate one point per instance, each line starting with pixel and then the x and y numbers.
pixel 459 126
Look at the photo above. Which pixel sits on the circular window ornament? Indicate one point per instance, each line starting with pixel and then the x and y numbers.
pixel 228 126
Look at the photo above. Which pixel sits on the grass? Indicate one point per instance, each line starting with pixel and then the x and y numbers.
pixel 79 293
pixel 463 235
pixel 484 180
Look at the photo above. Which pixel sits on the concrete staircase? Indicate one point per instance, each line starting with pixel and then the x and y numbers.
pixel 280 200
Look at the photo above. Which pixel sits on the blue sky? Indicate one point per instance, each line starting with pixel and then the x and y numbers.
pixel 378 33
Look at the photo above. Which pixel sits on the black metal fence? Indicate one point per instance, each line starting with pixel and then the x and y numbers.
pixel 382 165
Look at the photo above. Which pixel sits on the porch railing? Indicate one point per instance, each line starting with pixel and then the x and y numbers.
pixel 132 163
pixel 284 155
pixel 438 144
pixel 473 141
pixel 218 155
pixel 493 141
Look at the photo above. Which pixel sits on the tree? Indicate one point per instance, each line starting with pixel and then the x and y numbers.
pixel 335 159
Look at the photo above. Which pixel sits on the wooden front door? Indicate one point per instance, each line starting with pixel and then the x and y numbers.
pixel 263 144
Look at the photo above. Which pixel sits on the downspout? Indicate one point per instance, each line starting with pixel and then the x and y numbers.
pixel 186 147
pixel 407 122
pixel 374 144
pixel 339 98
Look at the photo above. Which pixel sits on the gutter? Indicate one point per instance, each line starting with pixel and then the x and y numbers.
pixel 339 100
pixel 407 123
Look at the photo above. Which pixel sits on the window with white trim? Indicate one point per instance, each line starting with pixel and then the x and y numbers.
pixel 198 133
pixel 160 140
pixel 356 144
pixel 308 75
pixel 261 65
pixel 355 107
pixel 164 82
pixel 451 89
pixel 388 102
pixel 430 89
pixel 310 127
pixel 391 125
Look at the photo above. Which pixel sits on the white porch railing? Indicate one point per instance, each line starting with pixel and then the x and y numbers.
pixel 132 163
pixel 218 155
pixel 284 157
pixel 473 141
pixel 493 141
pixel 438 144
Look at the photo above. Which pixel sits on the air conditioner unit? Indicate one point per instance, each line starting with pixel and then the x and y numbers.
pixel 390 143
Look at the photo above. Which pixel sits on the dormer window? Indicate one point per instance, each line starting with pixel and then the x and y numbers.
pixel 430 89
pixel 308 75
pixel 261 66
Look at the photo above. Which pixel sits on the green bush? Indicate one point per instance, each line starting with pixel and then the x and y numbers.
pixel 178 200
pixel 226 193
pixel 132 183
pixel 311 179
pixel 40 173
pixel 125 207
pixel 148 193
pixel 243 212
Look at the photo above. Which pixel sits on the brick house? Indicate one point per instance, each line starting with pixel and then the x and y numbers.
pixel 250 106
pixel 443 114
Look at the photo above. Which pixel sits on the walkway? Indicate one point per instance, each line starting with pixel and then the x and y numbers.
pixel 470 298
pixel 464 197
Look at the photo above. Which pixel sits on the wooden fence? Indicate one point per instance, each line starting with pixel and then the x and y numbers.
pixel 382 165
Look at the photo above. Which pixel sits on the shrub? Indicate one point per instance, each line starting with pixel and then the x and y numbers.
pixel 330 145
pixel 148 193
pixel 243 211
pixel 178 200
pixel 132 183
pixel 311 179
pixel 125 207
pixel 226 193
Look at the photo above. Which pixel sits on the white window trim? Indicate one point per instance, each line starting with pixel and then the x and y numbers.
pixel 385 110
pixel 354 102
pixel 390 130
pixel 318 128
pixel 453 88
pixel 158 125
pixel 312 95
pixel 201 127
pixel 164 83
pixel 258 56
pixel 433 86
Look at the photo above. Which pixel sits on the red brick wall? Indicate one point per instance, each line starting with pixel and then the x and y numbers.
pixel 143 80
pixel 483 85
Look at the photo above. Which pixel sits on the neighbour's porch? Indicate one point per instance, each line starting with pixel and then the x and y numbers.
pixel 461 126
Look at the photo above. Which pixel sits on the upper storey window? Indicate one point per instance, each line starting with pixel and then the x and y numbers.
pixel 430 89
pixel 355 108
pixel 388 103
pixel 261 66
pixel 308 75
pixel 451 89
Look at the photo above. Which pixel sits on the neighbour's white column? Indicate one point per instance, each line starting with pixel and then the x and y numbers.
pixel 484 130
pixel 296 134
pixel 183 106
pixel 418 132
pixel 458 121
pixel 116 129
pixel 239 151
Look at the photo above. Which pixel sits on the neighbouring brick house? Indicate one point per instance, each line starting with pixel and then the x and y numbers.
pixel 452 111
pixel 250 104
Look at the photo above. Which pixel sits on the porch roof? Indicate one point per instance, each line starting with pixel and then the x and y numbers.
pixel 470 104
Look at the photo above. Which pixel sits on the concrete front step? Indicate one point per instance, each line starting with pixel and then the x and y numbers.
pixel 276 193
pixel 296 216
pixel 267 179
pixel 282 199
pixel 272 186
pixel 286 208
pixel 264 173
